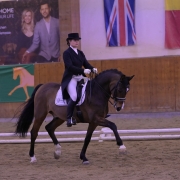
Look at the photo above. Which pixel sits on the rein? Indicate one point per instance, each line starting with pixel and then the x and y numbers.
pixel 114 97
pixel 91 78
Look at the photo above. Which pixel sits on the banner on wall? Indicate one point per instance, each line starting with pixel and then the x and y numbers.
pixel 20 21
pixel 120 22
pixel 172 24
pixel 16 82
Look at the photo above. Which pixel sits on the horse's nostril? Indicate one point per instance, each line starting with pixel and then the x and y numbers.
pixel 118 109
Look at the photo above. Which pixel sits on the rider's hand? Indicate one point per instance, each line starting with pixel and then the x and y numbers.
pixel 87 71
pixel 95 70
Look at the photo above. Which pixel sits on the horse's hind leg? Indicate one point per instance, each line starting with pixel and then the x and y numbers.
pixel 50 129
pixel 34 134
pixel 90 131
pixel 26 92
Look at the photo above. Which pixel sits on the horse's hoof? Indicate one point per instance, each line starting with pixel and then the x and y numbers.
pixel 33 159
pixel 57 154
pixel 85 162
pixel 122 149
pixel 26 99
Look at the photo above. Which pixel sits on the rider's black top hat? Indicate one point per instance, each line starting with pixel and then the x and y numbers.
pixel 74 36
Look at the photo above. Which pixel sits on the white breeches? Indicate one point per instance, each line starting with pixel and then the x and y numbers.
pixel 71 88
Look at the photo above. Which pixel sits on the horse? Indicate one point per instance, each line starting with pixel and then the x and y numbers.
pixel 109 85
pixel 26 79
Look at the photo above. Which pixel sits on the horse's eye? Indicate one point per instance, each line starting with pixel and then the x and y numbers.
pixel 121 90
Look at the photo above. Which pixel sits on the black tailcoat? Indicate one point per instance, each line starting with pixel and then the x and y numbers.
pixel 73 66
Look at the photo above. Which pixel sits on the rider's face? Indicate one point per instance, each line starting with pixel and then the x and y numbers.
pixel 74 43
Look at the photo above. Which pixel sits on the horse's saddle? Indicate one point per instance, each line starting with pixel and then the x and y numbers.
pixel 81 87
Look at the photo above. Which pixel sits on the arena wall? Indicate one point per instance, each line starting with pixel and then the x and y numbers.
pixel 155 87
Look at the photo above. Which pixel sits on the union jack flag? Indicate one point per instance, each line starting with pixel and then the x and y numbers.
pixel 120 22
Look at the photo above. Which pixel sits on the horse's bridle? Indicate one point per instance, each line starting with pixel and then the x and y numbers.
pixel 114 97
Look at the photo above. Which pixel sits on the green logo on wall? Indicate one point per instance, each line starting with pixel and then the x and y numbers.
pixel 16 82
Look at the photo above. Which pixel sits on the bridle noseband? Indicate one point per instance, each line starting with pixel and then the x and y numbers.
pixel 115 98
pixel 115 92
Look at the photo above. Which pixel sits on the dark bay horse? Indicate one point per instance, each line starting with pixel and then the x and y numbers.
pixel 109 85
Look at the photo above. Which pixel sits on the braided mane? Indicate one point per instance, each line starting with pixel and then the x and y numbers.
pixel 110 70
pixel 115 71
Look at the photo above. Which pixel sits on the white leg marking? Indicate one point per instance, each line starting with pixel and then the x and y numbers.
pixel 122 106
pixel 33 159
pixel 86 162
pixel 122 149
pixel 57 151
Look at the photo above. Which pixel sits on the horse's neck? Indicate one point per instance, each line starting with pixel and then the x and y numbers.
pixel 22 74
pixel 25 73
pixel 101 88
pixel 105 82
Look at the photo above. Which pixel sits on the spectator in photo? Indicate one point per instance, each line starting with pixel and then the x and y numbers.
pixel 46 37
pixel 25 37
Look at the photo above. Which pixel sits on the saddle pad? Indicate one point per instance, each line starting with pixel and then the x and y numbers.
pixel 59 101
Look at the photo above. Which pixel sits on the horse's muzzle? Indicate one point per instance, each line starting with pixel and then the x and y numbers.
pixel 118 108
pixel 121 107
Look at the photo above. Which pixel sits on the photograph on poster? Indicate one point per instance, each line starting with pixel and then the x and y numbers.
pixel 29 32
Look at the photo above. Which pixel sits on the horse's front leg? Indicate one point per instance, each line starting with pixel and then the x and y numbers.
pixel 90 131
pixel 12 91
pixel 113 127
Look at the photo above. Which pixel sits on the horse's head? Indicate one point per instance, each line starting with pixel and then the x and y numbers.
pixel 16 72
pixel 113 85
pixel 119 91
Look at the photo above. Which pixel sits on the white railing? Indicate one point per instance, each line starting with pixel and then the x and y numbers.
pixel 101 135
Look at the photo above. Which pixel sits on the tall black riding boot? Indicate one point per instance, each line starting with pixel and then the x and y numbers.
pixel 70 110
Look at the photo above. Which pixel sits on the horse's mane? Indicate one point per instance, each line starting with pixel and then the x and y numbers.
pixel 103 73
pixel 109 70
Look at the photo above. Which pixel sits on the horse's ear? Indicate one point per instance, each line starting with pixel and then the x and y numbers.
pixel 129 78
pixel 122 77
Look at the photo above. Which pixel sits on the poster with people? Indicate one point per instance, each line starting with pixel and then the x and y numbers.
pixel 29 32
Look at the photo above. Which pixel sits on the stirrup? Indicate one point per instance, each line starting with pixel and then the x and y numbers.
pixel 71 122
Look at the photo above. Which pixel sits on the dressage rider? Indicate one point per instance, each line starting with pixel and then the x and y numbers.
pixel 74 59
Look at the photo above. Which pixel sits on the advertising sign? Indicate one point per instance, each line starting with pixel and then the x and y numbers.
pixel 29 32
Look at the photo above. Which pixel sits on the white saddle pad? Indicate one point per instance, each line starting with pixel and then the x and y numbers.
pixel 59 101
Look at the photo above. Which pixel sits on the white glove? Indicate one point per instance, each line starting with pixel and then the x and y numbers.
pixel 95 70
pixel 87 71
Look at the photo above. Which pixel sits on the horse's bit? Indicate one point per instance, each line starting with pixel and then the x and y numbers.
pixel 115 98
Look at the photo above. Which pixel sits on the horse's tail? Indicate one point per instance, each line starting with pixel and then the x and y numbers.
pixel 26 116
